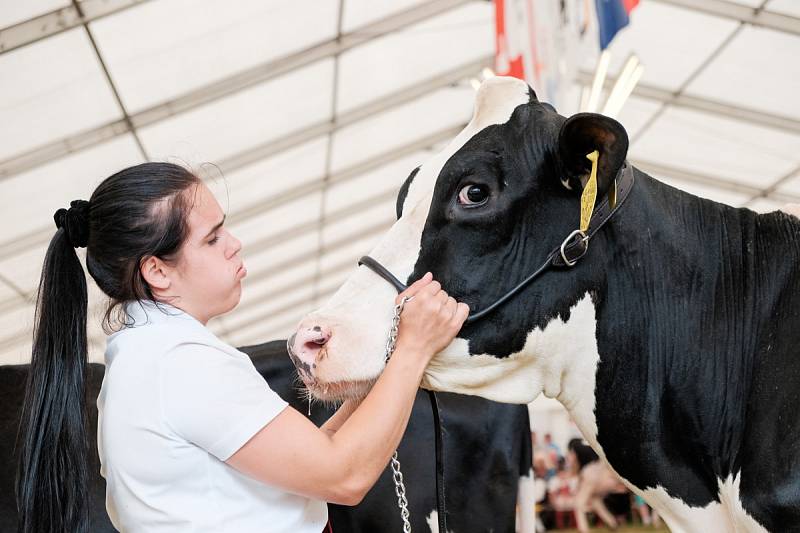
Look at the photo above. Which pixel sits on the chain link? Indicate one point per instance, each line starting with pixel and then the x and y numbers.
pixel 400 490
pixel 397 475
pixel 391 343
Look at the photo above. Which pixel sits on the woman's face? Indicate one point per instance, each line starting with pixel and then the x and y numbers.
pixel 207 277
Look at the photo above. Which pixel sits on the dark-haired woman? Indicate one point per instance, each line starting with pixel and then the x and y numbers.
pixel 190 437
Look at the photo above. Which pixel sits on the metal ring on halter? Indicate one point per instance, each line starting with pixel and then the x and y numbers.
pixel 583 237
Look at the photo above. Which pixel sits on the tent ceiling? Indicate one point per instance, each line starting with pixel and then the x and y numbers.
pixel 315 115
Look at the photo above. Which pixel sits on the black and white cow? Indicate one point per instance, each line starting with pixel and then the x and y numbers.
pixel 674 343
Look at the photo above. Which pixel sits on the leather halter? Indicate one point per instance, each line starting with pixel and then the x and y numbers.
pixel 571 250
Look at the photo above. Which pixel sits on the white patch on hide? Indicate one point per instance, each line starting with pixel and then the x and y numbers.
pixel 526 504
pixel 730 496
pixel 728 516
pixel 359 314
pixel 433 522
pixel 682 518
pixel 560 360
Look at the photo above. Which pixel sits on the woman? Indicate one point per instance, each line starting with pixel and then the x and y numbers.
pixel 190 437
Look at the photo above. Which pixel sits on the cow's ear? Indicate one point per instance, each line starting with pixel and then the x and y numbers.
pixel 582 134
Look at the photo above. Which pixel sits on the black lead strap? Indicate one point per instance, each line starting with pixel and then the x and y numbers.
pixel 441 509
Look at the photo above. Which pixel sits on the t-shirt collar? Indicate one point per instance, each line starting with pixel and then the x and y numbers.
pixel 145 312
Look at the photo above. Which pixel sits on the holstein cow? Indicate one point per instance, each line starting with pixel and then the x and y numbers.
pixel 487 447
pixel 674 342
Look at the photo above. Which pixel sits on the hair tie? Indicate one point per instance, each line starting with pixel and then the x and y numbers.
pixel 75 222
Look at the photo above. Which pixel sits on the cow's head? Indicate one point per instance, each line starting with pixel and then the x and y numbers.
pixel 480 215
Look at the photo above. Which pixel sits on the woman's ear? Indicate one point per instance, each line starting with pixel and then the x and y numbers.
pixel 154 272
pixel 582 134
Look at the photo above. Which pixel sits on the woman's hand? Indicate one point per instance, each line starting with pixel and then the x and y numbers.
pixel 430 320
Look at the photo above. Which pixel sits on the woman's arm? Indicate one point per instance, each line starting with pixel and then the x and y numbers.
pixel 292 453
pixel 341 415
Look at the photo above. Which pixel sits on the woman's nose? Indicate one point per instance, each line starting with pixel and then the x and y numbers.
pixel 235 245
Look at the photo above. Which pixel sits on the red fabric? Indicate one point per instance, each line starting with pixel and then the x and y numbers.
pixel 515 67
pixel 629 5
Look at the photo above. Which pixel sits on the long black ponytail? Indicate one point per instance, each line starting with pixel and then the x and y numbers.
pixel 138 212
pixel 55 448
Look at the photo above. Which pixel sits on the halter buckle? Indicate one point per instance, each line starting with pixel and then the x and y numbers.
pixel 570 241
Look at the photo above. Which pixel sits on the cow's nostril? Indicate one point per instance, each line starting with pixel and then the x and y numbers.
pixel 310 343
pixel 314 344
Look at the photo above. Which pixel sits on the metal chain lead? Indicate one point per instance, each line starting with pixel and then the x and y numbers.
pixel 397 475
pixel 400 490
pixel 391 344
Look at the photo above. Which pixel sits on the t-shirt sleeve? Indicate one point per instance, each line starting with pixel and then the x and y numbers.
pixel 214 399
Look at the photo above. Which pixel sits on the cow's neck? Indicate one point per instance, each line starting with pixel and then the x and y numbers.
pixel 687 301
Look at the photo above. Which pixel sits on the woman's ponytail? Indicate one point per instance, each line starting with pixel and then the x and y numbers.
pixel 52 487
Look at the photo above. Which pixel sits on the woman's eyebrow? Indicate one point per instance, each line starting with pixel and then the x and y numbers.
pixel 215 228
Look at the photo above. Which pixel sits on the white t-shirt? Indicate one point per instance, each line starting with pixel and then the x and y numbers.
pixel 176 402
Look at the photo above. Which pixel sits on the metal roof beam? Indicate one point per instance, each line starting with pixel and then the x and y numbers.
pixel 746 15
pixel 58 21
pixel 698 178
pixel 41 236
pixel 704 105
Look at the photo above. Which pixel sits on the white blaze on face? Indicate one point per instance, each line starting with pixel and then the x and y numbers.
pixel 359 314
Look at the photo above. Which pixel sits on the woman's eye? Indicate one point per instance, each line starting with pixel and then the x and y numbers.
pixel 214 240
pixel 473 195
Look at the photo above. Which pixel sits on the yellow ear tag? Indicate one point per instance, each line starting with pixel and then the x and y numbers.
pixel 612 195
pixel 589 193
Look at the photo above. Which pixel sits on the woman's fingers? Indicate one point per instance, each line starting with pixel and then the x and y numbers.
pixel 431 320
pixel 461 314
pixel 415 287
pixel 450 306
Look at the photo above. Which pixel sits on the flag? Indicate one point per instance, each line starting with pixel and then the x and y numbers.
pixel 612 16
pixel 541 42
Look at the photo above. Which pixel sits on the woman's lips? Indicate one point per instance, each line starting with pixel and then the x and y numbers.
pixel 242 271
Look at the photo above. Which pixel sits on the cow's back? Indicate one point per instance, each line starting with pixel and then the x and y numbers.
pixel 12 391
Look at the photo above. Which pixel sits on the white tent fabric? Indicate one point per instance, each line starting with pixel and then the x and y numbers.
pixel 315 112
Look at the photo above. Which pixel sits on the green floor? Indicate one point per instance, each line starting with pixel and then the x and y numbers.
pixel 626 529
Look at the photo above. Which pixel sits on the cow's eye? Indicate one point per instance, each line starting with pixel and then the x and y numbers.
pixel 473 195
